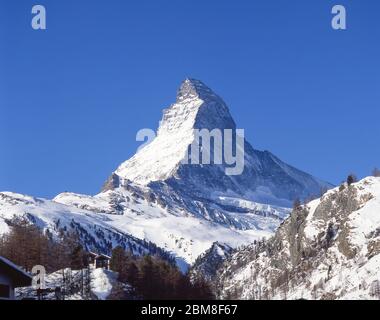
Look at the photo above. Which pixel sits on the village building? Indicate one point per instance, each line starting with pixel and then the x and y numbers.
pixel 11 277
pixel 99 261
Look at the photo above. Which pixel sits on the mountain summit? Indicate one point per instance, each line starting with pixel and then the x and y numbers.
pixel 192 88
pixel 196 107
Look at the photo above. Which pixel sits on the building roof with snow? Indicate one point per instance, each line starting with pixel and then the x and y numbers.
pixel 20 278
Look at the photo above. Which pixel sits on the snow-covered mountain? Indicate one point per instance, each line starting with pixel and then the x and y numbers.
pixel 265 179
pixel 154 198
pixel 327 249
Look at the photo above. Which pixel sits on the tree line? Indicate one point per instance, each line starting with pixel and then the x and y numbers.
pixel 154 278
pixel 27 246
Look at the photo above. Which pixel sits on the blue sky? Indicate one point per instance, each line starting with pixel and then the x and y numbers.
pixel 73 97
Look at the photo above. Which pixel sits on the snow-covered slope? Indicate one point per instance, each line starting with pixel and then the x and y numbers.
pixel 94 228
pixel 174 225
pixel 87 284
pixel 327 249
pixel 102 283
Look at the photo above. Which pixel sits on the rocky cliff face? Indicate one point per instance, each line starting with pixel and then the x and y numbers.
pixel 327 249
pixel 207 264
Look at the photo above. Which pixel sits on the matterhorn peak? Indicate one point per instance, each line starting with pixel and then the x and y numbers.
pixel 264 178
pixel 196 107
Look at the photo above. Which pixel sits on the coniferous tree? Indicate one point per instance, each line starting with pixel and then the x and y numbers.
pixel 118 260
pixel 145 284
pixel 132 274
pixel 351 179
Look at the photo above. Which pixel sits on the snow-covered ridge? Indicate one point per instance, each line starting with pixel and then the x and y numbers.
pixel 95 228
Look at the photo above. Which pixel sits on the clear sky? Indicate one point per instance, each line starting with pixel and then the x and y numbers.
pixel 72 97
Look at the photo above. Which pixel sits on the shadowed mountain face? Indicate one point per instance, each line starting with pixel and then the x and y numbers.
pixel 264 179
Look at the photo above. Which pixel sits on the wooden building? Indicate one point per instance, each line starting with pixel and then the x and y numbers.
pixel 11 277
pixel 99 260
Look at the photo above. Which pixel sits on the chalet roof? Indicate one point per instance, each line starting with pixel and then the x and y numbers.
pixel 20 277
pixel 93 254
pixel 100 256
pixel 104 256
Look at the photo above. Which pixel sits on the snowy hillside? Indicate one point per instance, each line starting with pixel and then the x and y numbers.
pixel 184 237
pixel 95 230
pixel 328 249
